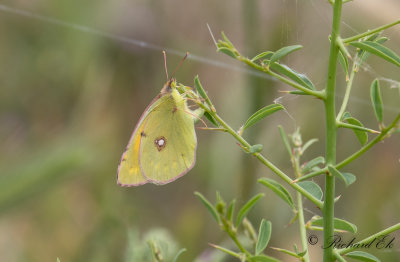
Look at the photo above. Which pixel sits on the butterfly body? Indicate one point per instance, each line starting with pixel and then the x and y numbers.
pixel 163 145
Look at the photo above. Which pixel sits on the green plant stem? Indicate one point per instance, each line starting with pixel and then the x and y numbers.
pixel 331 132
pixel 238 244
pixel 342 48
pixel 348 89
pixel 370 238
pixel 227 251
pixel 339 257
pixel 365 148
pixel 295 158
pixel 318 94
pixel 263 160
pixel 231 231
pixel 302 227
pixel 370 32
pixel 361 128
pixel 312 174
pixel 355 155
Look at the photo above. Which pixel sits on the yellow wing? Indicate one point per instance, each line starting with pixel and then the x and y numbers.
pixel 129 173
pixel 168 142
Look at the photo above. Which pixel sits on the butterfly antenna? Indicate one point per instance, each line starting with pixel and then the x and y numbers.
pixel 179 65
pixel 165 64
pixel 212 35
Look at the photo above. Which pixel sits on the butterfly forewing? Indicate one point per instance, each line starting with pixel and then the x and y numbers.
pixel 129 173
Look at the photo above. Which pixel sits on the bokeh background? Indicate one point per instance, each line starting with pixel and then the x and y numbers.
pixel 75 76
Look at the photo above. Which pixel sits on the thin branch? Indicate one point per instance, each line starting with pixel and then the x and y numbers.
pixel 266 162
pixel 361 128
pixel 348 89
pixel 384 232
pixel 356 154
pixel 365 148
pixel 370 32
pixel 318 94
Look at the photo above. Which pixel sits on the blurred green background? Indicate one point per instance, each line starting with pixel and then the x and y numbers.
pixel 72 88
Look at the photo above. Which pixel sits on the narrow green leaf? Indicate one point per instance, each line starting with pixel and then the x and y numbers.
pixel 266 54
pixel 178 254
pixel 295 217
pixel 264 235
pixel 350 178
pixel 376 99
pixel 381 40
pixel 283 52
pixel 371 37
pixel 249 230
pixel 262 113
pixel 255 148
pixel 211 119
pixel 312 163
pixel 312 188
pixel 222 44
pixel 263 258
pixel 315 169
pixel 288 252
pixel 197 114
pixel 231 210
pixel 295 248
pixel 227 51
pixel 357 127
pixel 338 224
pixel 361 135
pixel 301 254
pixel 278 189
pixel 293 75
pixel 364 55
pixel 285 140
pixel 226 39
pixel 308 144
pixel 201 91
pixel 246 208
pixel 363 256
pixel 378 50
pixel 345 116
pixel 227 251
pixel 298 92
pixel 344 62
pixel 200 88
pixel 209 206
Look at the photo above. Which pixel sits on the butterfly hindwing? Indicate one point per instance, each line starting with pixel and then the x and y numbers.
pixel 129 173
pixel 163 145
pixel 168 142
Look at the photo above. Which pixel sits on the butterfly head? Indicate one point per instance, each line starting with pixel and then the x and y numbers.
pixel 169 86
pixel 171 82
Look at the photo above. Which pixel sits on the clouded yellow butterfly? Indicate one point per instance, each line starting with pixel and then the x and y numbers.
pixel 163 145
